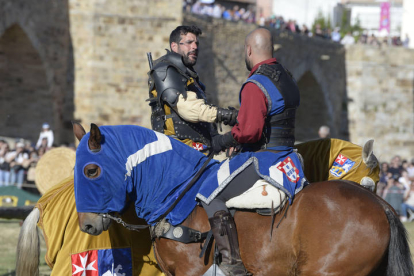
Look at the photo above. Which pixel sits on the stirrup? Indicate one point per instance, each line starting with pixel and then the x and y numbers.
pixel 237 269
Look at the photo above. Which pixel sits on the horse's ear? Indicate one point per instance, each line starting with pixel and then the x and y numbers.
pixel 78 130
pixel 367 149
pixel 368 156
pixel 95 138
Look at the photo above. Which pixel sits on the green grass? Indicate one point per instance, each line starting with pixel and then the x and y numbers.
pixel 9 232
pixel 410 229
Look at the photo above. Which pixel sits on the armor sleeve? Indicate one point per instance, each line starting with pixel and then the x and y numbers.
pixel 169 83
pixel 195 110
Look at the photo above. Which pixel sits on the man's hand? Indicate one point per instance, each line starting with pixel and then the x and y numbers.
pixel 221 142
pixel 227 116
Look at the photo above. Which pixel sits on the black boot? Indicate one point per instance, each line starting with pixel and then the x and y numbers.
pixel 225 234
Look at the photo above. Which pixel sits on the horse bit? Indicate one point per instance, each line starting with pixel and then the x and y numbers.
pixel 126 225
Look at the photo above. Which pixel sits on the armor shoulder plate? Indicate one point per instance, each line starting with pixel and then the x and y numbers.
pixel 169 83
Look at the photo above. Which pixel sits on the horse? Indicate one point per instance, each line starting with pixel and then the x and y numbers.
pixel 55 214
pixel 59 248
pixel 331 228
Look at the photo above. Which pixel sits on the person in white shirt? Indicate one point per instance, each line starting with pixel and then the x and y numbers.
pixel 406 182
pixel 410 170
pixel 336 36
pixel 407 204
pixel 45 133
pixel 348 39
pixel 17 160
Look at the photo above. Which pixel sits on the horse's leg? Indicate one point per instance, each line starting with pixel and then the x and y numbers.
pixel 28 247
pixel 262 253
pixel 182 259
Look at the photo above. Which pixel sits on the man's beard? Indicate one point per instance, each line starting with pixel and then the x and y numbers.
pixel 187 61
pixel 248 65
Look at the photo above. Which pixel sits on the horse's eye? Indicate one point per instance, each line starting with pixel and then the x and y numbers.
pixel 92 171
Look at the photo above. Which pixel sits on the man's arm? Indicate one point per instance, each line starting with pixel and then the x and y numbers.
pixel 195 110
pixel 252 115
pixel 251 120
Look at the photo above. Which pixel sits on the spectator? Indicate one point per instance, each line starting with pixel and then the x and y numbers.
pixel 406 42
pixel 196 8
pixel 18 159
pixel 407 204
pixel 227 14
pixel 217 11
pixel 396 41
pixel 364 38
pixel 318 31
pixel 348 39
pixel 291 26
pixel 4 164
pixel 405 182
pixel 336 36
pixel 249 15
pixel 31 165
pixel 395 167
pixel 304 30
pixel 382 183
pixel 262 21
pixel 324 132
pixel 236 13
pixel 328 33
pixel 372 40
pixel 410 170
pixel 45 133
pixel 404 164
pixel 394 194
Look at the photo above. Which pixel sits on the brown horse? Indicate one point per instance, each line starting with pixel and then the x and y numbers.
pixel 332 228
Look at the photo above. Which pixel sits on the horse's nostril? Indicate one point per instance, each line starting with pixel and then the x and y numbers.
pixel 87 228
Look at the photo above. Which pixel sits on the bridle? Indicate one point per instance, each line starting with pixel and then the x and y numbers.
pixel 128 226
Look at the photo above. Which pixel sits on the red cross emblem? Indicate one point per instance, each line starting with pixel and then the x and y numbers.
pixel 340 159
pixel 198 146
pixel 85 263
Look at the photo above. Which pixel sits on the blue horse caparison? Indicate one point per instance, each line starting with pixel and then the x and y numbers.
pixel 153 169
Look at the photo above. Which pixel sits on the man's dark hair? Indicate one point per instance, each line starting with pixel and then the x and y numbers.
pixel 175 35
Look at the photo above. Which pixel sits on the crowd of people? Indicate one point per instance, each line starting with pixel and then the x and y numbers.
pixel 396 186
pixel 218 11
pixel 248 15
pixel 18 161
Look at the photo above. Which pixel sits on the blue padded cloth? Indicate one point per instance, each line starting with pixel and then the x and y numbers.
pixel 151 169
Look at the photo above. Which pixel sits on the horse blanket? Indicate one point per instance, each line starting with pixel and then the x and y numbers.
pixel 331 159
pixel 72 252
pixel 153 169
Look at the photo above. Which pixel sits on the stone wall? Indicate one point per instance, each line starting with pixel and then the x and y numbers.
pixel 380 85
pixel 318 66
pixel 110 41
pixel 86 60
pixel 35 68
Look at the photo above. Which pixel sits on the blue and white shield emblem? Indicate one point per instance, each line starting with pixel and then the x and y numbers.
pixel 341 165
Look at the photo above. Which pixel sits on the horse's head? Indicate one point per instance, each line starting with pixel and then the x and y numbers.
pixel 99 178
pixel 372 164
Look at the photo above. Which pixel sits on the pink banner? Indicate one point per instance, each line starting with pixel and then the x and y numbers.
pixel 385 17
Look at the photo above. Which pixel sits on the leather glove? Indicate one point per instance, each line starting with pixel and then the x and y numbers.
pixel 227 116
pixel 222 142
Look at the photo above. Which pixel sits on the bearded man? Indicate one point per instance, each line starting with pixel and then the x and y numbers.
pixel 177 96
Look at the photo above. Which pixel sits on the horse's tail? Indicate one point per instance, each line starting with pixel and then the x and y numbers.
pixel 28 246
pixel 399 255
